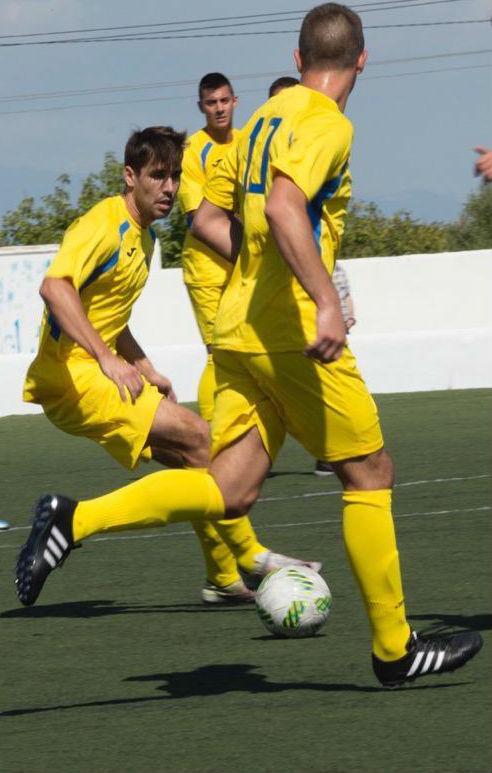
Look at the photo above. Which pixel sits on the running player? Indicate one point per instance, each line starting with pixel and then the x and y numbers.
pixel 281 355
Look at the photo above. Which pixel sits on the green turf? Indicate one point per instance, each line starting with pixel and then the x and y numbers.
pixel 120 668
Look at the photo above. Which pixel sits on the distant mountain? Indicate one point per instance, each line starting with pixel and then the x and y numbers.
pixel 422 205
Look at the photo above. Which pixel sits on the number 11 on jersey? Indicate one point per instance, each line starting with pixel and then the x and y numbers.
pixel 248 184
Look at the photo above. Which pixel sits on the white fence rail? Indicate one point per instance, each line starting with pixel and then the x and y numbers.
pixel 423 322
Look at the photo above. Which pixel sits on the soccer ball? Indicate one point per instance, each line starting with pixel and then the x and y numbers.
pixel 293 601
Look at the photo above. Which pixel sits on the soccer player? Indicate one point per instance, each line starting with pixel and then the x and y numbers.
pixel 285 82
pixel 206 274
pixel 90 374
pixel 280 351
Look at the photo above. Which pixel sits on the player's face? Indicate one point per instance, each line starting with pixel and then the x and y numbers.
pixel 218 107
pixel 153 191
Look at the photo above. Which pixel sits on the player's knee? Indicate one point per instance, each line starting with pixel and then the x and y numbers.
pixel 198 443
pixel 380 470
pixel 237 503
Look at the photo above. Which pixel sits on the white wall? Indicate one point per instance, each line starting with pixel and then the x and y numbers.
pixel 423 322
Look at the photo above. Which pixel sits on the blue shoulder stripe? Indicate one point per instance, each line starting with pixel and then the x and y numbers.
pixel 112 261
pixel 205 151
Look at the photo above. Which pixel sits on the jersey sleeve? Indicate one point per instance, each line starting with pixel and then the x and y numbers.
pixel 319 148
pixel 190 191
pixel 220 188
pixel 87 244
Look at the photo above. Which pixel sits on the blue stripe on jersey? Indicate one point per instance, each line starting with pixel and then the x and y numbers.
pixel 112 261
pixel 205 151
pixel 124 228
pixel 315 206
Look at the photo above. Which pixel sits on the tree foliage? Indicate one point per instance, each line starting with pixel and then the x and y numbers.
pixel 367 233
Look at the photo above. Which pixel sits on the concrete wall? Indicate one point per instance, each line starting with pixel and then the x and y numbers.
pixel 423 322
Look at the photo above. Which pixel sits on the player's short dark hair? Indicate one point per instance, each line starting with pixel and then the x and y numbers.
pixel 160 145
pixel 331 38
pixel 213 81
pixel 285 82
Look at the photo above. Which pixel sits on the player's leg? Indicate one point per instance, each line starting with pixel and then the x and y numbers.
pixel 245 424
pixel 330 411
pixel 399 654
pixel 223 579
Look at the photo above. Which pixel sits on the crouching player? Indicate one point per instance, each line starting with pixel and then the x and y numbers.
pixel 90 374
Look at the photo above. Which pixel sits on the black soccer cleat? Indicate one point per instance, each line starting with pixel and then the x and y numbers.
pixel 428 655
pixel 47 547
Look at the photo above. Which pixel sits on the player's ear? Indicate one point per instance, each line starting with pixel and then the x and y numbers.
pixel 234 100
pixel 129 177
pixel 298 60
pixel 361 61
pixel 199 105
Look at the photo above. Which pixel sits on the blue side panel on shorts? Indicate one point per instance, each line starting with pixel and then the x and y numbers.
pixel 205 151
pixel 315 206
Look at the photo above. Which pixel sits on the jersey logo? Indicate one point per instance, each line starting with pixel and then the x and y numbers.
pixel 131 251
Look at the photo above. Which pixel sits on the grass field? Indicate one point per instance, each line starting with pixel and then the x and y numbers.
pixel 120 668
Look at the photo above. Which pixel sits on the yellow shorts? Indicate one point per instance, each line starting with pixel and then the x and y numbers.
pixel 78 399
pixel 205 302
pixel 327 408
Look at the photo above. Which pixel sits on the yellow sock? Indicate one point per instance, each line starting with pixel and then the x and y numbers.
pixel 239 536
pixel 155 500
pixel 221 566
pixel 206 390
pixel 369 535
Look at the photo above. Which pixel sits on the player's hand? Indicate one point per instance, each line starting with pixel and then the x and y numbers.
pixel 124 375
pixel 349 322
pixel 163 385
pixel 330 338
pixel 483 166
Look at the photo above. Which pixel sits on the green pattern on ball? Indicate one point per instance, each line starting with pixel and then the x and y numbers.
pixel 294 614
pixel 306 583
pixel 323 603
pixel 264 615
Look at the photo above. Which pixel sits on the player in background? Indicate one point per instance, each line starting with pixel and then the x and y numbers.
pixel 281 358
pixel 285 82
pixel 206 274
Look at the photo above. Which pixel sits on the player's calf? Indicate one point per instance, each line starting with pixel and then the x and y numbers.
pixel 47 547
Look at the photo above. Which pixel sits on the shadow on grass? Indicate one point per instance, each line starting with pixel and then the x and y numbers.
pixel 446 622
pixel 105 607
pixel 213 680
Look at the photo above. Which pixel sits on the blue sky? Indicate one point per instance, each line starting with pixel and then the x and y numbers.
pixel 415 133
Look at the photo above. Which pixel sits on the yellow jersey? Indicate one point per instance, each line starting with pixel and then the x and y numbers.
pixel 302 134
pixel 201 266
pixel 106 255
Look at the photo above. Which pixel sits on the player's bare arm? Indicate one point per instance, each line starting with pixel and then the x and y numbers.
pixel 219 229
pixel 290 226
pixel 132 352
pixel 66 306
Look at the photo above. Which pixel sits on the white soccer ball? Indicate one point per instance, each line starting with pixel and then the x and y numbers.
pixel 293 601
